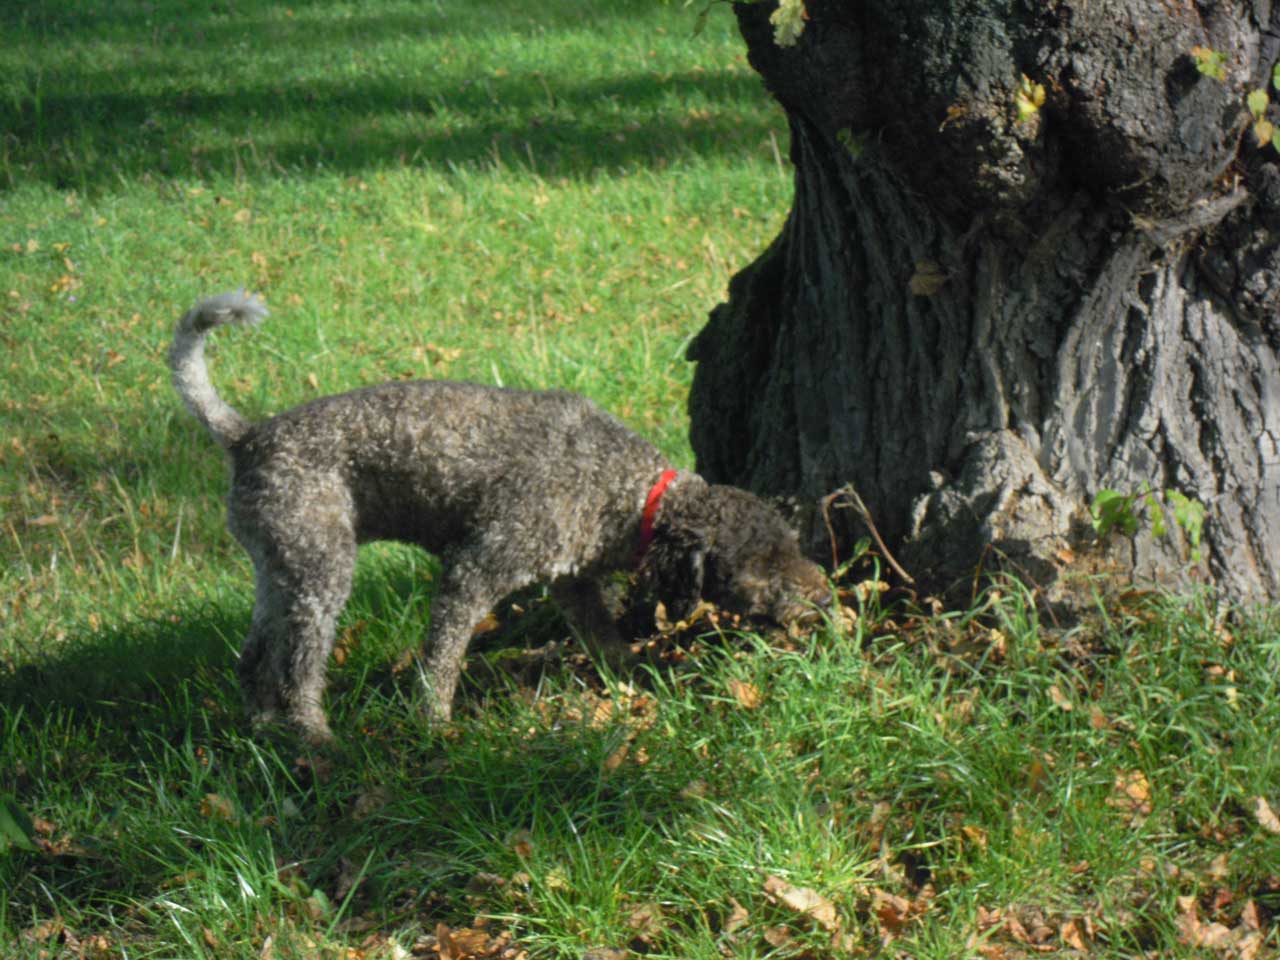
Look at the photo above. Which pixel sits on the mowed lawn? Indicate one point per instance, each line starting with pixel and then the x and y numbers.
pixel 549 195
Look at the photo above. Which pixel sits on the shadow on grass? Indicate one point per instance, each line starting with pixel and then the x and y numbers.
pixel 151 674
pixel 132 748
pixel 72 123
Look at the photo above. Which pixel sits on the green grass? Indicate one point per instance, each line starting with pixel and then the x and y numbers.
pixel 543 196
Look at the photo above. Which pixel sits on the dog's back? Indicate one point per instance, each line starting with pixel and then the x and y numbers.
pixel 433 461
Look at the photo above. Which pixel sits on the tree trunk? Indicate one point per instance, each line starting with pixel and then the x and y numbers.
pixel 980 318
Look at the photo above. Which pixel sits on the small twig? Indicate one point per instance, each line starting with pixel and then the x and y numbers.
pixel 831 533
pixel 855 501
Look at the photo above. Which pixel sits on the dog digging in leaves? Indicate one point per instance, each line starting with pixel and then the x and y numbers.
pixel 508 487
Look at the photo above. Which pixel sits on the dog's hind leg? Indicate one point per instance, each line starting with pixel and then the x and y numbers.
pixel 285 656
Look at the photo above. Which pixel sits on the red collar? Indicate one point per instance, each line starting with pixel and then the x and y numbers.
pixel 651 509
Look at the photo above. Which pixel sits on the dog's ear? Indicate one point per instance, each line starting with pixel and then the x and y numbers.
pixel 674 568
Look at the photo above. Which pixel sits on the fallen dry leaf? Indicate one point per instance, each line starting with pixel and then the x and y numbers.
pixel 520 842
pixel 216 807
pixel 803 900
pixel 1265 816
pixel 1060 700
pixel 615 759
pixel 777 937
pixel 1193 933
pixel 1073 935
pixel 738 916
pixel 891 910
pixel 975 835
pixel 747 694
pixel 1131 793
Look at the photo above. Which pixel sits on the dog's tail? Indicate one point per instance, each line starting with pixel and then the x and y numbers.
pixel 186 361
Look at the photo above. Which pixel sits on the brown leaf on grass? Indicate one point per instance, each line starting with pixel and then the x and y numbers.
pixel 1131 793
pixel 895 912
pixel 1026 926
pixel 1194 933
pixel 738 917
pixel 777 937
pixel 974 835
pixel 1219 867
pixel 803 900
pixel 881 812
pixel 217 807
pixel 648 923
pixel 43 932
pixel 1060 700
pixel 1250 919
pixel 615 759
pixel 1265 816
pixel 1072 933
pixel 467 943
pixel 520 842
pixel 747 694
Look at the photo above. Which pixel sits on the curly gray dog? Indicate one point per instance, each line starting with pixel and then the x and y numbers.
pixel 508 487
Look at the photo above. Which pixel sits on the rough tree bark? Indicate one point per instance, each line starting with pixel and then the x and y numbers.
pixel 1106 314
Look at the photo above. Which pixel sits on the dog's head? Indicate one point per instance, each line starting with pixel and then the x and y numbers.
pixel 729 547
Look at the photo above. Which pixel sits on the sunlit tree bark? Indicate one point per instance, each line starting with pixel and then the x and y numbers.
pixel 1032 255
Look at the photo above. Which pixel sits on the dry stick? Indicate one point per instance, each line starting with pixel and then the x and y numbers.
pixel 850 494
pixel 831 533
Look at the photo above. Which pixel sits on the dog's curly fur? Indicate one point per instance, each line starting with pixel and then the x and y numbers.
pixel 509 487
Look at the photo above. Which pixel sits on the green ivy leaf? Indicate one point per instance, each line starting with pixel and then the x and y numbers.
pixel 1156 511
pixel 1113 510
pixel 1210 62
pixel 1188 514
pixel 1257 101
pixel 1275 76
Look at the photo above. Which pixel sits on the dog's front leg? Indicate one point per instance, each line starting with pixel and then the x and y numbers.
pixel 583 603
pixel 468 590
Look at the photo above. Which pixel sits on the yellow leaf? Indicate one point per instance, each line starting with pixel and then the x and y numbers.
pixel 1029 99
pixel 788 22
pixel 1263 130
